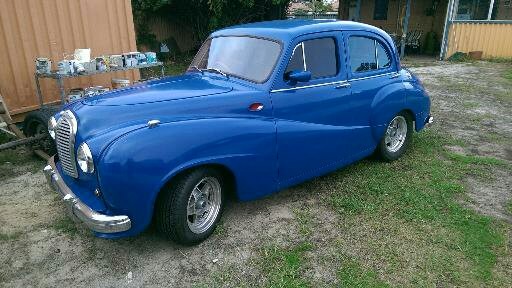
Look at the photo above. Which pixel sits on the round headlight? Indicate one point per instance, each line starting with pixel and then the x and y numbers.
pixel 52 127
pixel 84 158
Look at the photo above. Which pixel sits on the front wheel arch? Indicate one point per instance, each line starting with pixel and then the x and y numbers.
pixel 167 216
pixel 225 171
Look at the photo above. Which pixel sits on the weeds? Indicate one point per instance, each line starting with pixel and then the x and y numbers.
pixel 352 274
pixel 283 266
pixel 65 225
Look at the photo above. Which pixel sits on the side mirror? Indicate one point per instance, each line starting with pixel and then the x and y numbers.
pixel 298 76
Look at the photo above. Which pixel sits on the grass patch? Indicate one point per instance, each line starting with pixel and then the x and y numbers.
pixel 499 60
pixel 220 230
pixel 422 189
pixel 303 216
pixel 508 75
pixel 4 138
pixel 469 104
pixel 509 206
pixel 177 66
pixel 65 225
pixel 9 236
pixel 171 68
pixel 284 266
pixel 352 274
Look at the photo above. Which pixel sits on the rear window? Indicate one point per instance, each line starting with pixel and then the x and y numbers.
pixel 367 54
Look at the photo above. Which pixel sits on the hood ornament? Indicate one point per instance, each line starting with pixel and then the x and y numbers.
pixel 153 123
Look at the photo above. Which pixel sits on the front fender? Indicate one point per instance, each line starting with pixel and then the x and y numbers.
pixel 135 167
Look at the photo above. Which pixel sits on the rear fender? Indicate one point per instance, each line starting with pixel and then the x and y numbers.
pixel 388 102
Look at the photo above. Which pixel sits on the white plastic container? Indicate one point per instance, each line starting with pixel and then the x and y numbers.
pixel 82 55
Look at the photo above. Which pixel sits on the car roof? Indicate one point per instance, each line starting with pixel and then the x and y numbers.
pixel 285 30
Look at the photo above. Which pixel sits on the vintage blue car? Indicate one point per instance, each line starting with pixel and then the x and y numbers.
pixel 262 107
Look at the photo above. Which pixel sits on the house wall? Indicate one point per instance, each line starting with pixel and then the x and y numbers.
pixel 52 28
pixel 417 21
pixel 494 39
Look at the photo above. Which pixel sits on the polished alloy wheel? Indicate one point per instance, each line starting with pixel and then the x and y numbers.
pixel 396 134
pixel 204 205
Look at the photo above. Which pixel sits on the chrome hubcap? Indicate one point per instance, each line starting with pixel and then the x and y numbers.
pixel 204 205
pixel 396 134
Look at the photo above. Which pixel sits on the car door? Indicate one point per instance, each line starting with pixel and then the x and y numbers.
pixel 373 78
pixel 319 121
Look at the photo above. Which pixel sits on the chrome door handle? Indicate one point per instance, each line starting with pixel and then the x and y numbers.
pixel 342 85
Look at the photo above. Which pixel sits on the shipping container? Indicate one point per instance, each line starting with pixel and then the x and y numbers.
pixel 54 29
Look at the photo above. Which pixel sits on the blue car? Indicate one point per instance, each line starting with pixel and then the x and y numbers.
pixel 262 107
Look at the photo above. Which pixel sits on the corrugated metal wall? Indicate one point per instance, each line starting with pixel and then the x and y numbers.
pixel 494 39
pixel 52 28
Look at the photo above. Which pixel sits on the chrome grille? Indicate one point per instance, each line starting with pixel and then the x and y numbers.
pixel 65 140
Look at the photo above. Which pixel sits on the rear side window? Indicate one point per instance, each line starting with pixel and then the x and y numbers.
pixel 317 56
pixel 367 54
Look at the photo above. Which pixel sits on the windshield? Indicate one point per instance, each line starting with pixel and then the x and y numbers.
pixel 249 58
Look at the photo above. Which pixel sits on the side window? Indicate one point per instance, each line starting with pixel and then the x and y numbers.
pixel 367 54
pixel 362 54
pixel 319 58
pixel 296 62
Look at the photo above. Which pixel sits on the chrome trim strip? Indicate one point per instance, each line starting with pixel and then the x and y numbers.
pixel 376 53
pixel 304 57
pixel 373 76
pixel 79 210
pixel 334 83
pixel 309 86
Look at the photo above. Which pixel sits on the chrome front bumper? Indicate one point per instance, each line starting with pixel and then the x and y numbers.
pixel 78 210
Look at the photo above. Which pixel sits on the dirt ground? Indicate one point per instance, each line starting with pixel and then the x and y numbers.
pixel 40 247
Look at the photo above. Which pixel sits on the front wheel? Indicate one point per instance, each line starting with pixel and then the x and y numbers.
pixel 396 138
pixel 189 209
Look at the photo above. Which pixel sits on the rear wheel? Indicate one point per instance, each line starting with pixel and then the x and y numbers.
pixel 396 138
pixel 189 209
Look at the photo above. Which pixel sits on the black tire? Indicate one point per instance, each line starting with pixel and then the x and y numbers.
pixel 383 150
pixel 36 122
pixel 171 206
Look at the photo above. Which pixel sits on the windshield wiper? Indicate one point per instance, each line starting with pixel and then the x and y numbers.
pixel 217 70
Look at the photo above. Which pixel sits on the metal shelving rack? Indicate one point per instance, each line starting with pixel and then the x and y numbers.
pixel 60 77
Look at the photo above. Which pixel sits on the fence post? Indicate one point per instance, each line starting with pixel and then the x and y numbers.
pixel 446 30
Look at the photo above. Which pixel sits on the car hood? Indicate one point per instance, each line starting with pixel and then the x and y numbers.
pixel 165 89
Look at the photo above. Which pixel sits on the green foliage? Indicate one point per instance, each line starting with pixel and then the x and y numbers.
pixel 142 11
pixel 459 57
pixel 203 16
pixel 319 6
